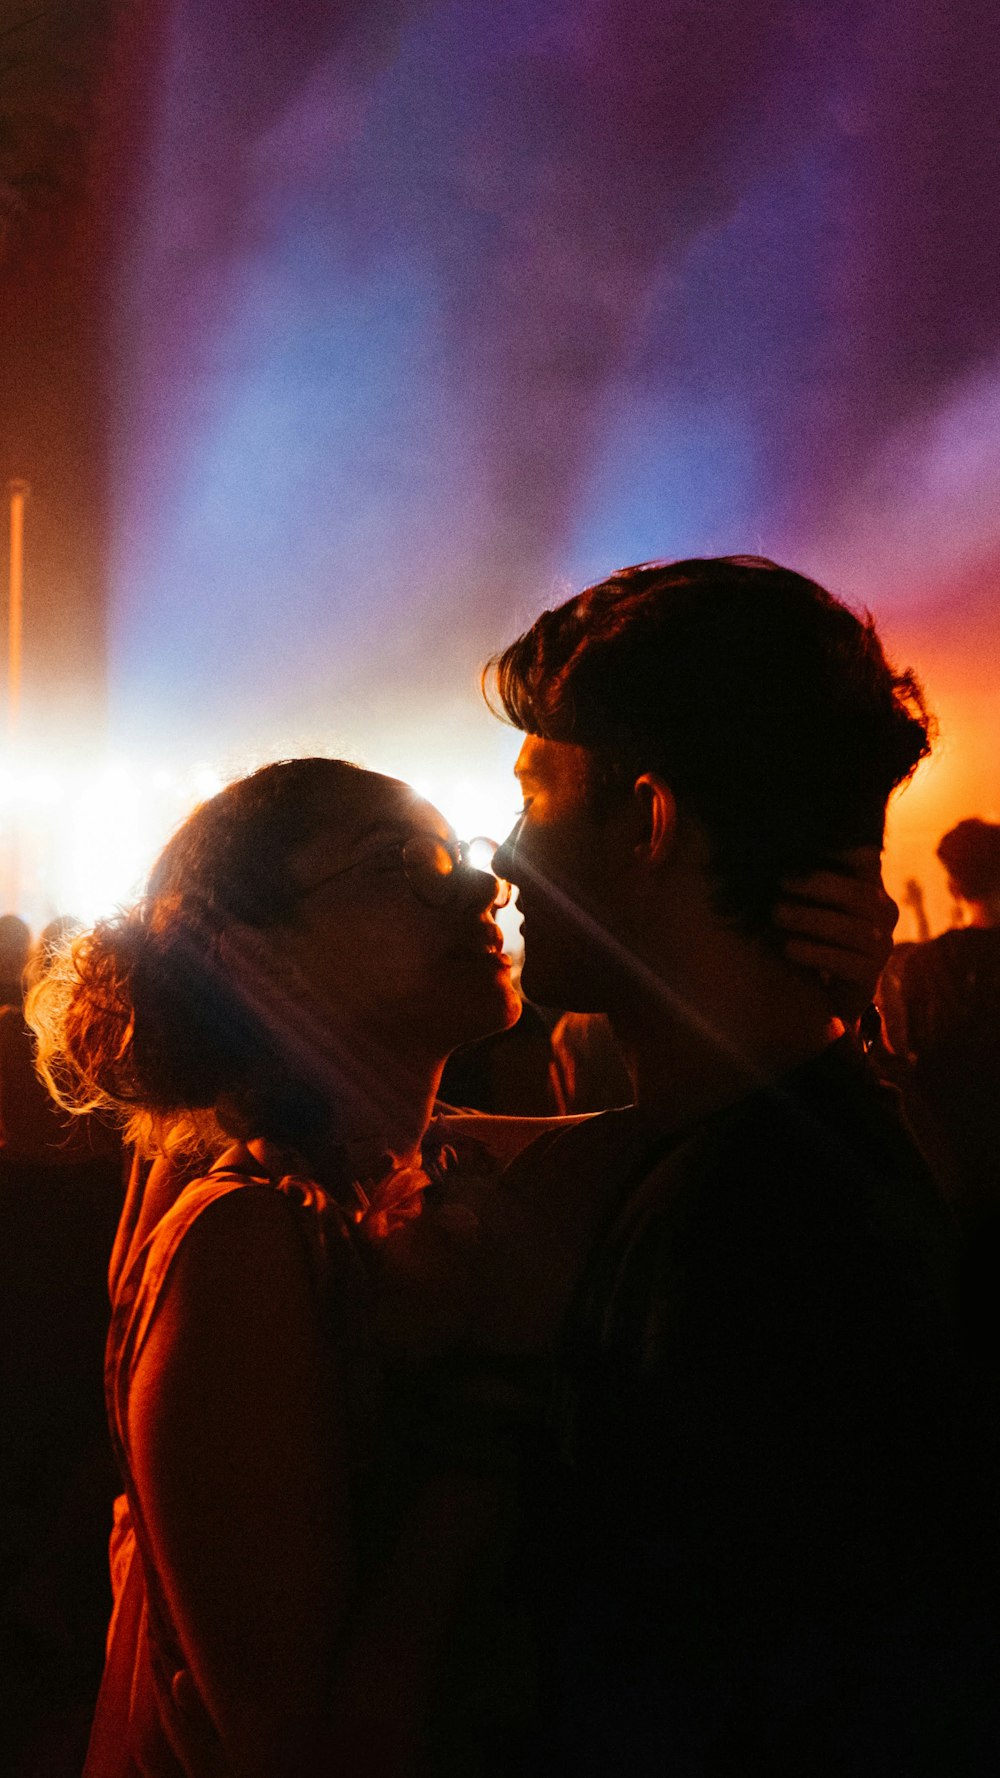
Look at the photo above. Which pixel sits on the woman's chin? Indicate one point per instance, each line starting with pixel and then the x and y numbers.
pixel 490 1007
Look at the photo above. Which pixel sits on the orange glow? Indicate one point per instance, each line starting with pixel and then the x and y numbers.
pixel 955 648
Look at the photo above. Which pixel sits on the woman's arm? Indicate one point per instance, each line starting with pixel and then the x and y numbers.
pixel 241 1476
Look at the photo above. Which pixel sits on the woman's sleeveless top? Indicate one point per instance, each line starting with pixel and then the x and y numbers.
pixel 143 1717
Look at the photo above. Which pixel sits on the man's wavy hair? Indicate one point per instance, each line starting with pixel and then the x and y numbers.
pixel 766 704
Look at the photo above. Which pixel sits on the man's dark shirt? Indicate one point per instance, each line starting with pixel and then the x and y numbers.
pixel 753 1552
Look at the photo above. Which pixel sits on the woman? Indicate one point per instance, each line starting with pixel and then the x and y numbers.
pixel 296 976
pixel 275 1017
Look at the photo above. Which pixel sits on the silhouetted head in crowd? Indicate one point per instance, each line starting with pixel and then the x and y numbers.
pixel 733 700
pixel 970 854
pixel 15 943
pixel 50 943
pixel 294 945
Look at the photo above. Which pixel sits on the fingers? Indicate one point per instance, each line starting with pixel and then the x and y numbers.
pixel 832 926
pixel 838 923
pixel 832 888
pixel 859 864
pixel 840 928
pixel 853 968
pixel 808 901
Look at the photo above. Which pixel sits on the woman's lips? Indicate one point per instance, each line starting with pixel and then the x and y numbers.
pixel 487 942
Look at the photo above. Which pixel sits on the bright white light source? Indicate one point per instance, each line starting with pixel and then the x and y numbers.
pixel 206 782
pixel 484 803
pixel 79 836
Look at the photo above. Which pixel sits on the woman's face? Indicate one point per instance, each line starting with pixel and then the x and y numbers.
pixel 387 965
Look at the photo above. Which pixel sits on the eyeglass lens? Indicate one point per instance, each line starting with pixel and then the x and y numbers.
pixel 430 865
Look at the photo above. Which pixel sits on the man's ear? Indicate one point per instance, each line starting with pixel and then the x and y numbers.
pixel 654 810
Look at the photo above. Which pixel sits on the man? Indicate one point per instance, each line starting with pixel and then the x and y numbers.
pixel 747 1555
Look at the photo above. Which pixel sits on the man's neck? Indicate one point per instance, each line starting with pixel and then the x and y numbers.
pixel 735 1019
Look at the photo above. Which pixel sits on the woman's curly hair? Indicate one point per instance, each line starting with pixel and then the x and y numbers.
pixel 144 1016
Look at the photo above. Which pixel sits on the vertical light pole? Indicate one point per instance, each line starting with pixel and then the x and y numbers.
pixel 18 496
pixel 18 491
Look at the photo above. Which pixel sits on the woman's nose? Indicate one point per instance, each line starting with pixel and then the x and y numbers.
pixel 481 889
pixel 489 889
pixel 504 856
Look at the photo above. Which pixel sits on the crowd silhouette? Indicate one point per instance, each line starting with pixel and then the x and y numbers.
pixel 598 1374
pixel 61 1192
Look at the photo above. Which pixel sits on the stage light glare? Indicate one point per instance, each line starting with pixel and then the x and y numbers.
pixel 43 790
pixel 206 781
pixel 485 803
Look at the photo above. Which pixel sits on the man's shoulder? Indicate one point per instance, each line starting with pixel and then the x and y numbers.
pixel 833 1104
pixel 800 1208
pixel 830 1123
pixel 823 1147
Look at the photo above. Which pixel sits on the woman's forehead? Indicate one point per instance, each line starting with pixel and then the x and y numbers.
pixel 378 808
pixel 389 803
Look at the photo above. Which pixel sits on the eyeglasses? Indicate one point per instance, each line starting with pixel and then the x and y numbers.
pixel 432 866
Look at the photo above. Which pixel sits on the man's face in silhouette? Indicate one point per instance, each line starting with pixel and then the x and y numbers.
pixel 567 864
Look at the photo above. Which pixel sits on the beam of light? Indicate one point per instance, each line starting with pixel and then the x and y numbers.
pixel 922 511
pixel 917 534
